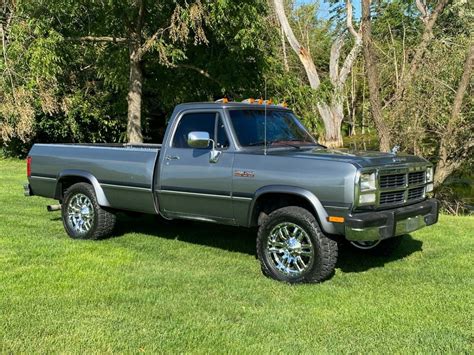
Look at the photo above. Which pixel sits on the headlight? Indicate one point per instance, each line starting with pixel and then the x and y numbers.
pixel 429 174
pixel 367 182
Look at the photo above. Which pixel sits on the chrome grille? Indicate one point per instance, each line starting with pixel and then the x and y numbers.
pixel 416 178
pixel 392 181
pixel 416 193
pixel 391 197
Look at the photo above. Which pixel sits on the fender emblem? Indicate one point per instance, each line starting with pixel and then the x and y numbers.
pixel 246 174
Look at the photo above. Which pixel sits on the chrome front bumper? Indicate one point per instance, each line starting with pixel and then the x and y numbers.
pixel 369 226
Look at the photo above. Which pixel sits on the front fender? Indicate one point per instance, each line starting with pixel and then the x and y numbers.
pixel 84 175
pixel 321 213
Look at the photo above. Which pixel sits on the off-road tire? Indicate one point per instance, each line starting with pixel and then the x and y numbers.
pixel 324 249
pixel 386 247
pixel 103 221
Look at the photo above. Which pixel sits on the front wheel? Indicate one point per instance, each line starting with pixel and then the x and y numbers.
pixel 82 216
pixel 292 248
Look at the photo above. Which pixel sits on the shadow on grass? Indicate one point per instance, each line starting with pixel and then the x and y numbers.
pixel 242 240
pixel 351 260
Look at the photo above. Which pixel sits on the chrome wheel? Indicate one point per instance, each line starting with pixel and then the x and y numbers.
pixel 80 213
pixel 290 249
pixel 366 245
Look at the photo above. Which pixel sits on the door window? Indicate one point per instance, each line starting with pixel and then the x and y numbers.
pixel 209 122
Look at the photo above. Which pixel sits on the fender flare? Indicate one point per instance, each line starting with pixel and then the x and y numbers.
pixel 71 173
pixel 321 213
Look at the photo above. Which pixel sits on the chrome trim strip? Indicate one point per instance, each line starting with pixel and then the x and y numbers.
pixel 172 192
pixel 241 198
pixel 126 187
pixel 336 207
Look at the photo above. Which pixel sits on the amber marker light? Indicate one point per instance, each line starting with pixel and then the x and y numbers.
pixel 336 219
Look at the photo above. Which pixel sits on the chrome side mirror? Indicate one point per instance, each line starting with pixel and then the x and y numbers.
pixel 198 139
pixel 201 140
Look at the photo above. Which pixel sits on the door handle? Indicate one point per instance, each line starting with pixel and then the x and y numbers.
pixel 172 157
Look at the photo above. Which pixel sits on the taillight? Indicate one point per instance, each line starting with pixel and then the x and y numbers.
pixel 28 166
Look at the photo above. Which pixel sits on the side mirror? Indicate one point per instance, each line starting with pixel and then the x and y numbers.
pixel 202 140
pixel 198 139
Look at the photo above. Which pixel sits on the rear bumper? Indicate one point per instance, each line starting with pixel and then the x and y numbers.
pixel 27 190
pixel 369 226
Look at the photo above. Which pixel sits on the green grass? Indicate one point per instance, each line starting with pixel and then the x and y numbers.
pixel 198 288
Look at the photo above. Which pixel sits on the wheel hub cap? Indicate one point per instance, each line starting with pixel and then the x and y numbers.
pixel 290 249
pixel 80 213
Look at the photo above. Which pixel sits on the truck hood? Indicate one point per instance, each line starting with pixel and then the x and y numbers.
pixel 361 158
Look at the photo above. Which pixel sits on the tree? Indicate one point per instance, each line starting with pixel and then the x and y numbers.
pixel 331 111
pixel 395 102
pixel 452 155
pixel 139 28
pixel 373 78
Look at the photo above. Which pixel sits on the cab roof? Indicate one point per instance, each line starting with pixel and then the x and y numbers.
pixel 231 105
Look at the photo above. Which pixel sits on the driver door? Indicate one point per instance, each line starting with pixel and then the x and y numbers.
pixel 190 185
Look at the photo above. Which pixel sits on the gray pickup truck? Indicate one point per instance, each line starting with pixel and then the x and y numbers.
pixel 243 164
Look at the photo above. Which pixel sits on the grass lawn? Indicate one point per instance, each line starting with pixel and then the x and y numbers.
pixel 198 288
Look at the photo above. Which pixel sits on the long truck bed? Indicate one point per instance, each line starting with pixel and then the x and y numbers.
pixel 122 174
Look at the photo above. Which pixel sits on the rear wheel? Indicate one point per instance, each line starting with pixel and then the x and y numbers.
pixel 82 216
pixel 292 248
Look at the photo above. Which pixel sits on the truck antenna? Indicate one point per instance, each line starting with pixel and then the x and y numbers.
pixel 265 124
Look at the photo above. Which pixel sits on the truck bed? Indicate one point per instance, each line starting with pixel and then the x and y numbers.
pixel 125 172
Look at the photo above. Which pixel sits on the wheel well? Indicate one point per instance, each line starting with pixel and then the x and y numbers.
pixel 66 182
pixel 269 202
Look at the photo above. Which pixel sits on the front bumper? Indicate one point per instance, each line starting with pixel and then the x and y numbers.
pixel 369 226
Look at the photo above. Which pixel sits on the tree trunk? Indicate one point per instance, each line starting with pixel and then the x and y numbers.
pixel 332 116
pixel 450 160
pixel 134 99
pixel 373 79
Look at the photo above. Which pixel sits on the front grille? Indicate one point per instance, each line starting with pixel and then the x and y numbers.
pixel 392 181
pixel 417 177
pixel 416 193
pixel 388 198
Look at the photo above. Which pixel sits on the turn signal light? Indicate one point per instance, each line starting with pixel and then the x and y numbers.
pixel 336 219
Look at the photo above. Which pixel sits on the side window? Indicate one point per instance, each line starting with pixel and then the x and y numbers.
pixel 204 122
pixel 198 121
pixel 222 141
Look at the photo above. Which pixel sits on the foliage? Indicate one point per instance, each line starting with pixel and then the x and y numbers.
pixel 87 82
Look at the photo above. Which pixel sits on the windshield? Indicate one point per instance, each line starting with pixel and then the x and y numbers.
pixel 282 128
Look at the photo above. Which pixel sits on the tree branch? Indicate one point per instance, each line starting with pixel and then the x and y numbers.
pixel 422 8
pixel 429 22
pixel 149 43
pixel 352 56
pixel 350 26
pixel 97 39
pixel 204 73
pixel 302 52
pixel 334 60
